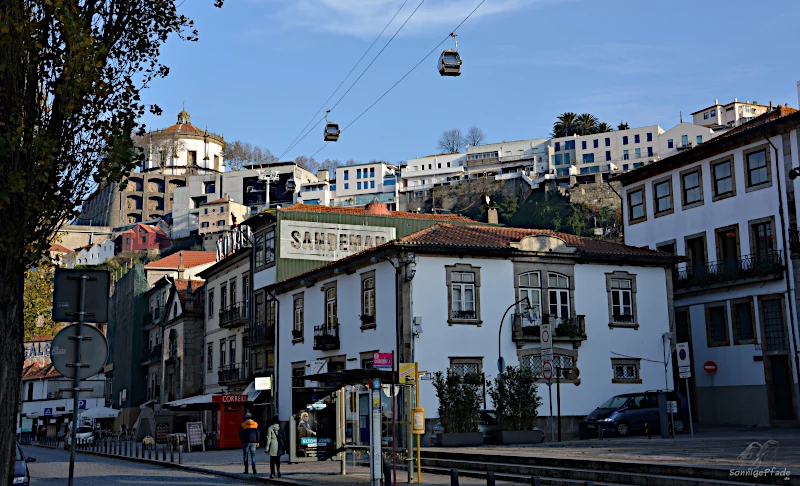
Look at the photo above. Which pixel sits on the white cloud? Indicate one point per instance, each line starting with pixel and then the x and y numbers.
pixel 364 18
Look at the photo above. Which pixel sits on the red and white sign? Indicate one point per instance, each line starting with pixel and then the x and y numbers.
pixel 547 370
pixel 229 398
pixel 710 367
pixel 382 361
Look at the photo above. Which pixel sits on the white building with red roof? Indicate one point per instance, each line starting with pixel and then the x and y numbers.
pixel 185 264
pixel 183 149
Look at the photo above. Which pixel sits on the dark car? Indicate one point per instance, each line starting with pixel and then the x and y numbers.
pixel 21 474
pixel 628 413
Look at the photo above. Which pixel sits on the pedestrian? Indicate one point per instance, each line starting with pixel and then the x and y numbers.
pixel 276 446
pixel 249 435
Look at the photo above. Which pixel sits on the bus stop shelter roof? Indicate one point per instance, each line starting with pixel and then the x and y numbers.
pixel 350 377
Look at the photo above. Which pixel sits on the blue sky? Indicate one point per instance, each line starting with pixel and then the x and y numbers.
pixel 262 68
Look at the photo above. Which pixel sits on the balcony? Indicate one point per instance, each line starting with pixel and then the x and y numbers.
pixel 794 242
pixel 683 146
pixel 235 315
pixel 568 329
pixel 234 374
pixel 151 355
pixel 326 336
pixel 154 317
pixel 760 266
pixel 259 333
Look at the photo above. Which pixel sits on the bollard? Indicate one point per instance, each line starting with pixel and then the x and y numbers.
pixel 149 453
pixel 646 431
pixel 136 446
pixel 180 454
pixel 454 477
pixel 490 479
pixel 126 449
pixel 171 453
pixel 536 481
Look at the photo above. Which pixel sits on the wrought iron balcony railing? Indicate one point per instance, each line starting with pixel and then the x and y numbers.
pixel 326 336
pixel 234 315
pixel 570 328
pixel 764 264
pixel 152 355
pixel 465 314
pixel 258 333
pixel 233 373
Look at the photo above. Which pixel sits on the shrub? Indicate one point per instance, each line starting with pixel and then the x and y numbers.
pixel 515 397
pixel 459 401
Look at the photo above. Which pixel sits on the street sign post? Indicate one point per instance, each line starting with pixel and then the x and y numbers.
pixel 710 367
pixel 685 371
pixel 547 370
pixel 546 341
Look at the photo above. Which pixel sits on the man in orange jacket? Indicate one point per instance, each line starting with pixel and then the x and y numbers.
pixel 249 435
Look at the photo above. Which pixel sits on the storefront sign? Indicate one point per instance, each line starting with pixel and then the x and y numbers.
pixel 162 432
pixel 194 433
pixel 382 361
pixel 27 425
pixel 301 240
pixel 418 425
pixel 229 399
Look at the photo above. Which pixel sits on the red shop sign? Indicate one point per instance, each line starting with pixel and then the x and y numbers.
pixel 229 398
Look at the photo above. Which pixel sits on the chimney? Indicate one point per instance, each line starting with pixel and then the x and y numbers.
pixel 492 215
pixel 736 100
pixel 716 101
pixel 180 265
pixel 798 93
pixel 323 175
pixel 770 105
pixel 225 197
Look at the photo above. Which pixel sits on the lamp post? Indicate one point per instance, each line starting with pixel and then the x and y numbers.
pixel 500 362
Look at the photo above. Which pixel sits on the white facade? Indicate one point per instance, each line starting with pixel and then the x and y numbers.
pixel 424 172
pixel 507 157
pixel 731 300
pixel 179 148
pixel 94 255
pixel 353 185
pixel 718 116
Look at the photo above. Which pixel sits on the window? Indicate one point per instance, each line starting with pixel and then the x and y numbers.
pixel 299 303
pixel 210 357
pixel 192 157
pixel 561 360
pixel 463 297
pixel 596 143
pixel 692 188
pixel 372 171
pixel 211 302
pixel 626 370
pixel 684 141
pixel 223 296
pixel 259 250
pixel 621 290
pixel 625 155
pixel 530 287
pixel 144 239
pixel 636 138
pixel 358 176
pixel 638 153
pixel 608 142
pixel 367 361
pixel 558 146
pixel 588 158
pixel 636 206
pixel 346 186
pixel 232 349
pixel 259 310
pixel 358 186
pixel 762 239
pixel 722 173
pixel 744 323
pixel 298 372
pixel 670 143
pixel 569 145
pixel 346 175
pixel 774 329
pixel 705 116
pixel 583 144
pixel 557 159
pixel 608 155
pixel 624 140
pixel 713 112
pixel 558 294
pixel 649 137
pixel 330 305
pixel 566 159
pixel 265 249
pixel 209 187
pixel 205 211
pixel 717 325
pixel 699 139
pixel 662 192
pixel 30 391
pixel 221 222
pixel 757 169
pixel 368 299
pixel 371 184
pixel 222 345
pixel 469 369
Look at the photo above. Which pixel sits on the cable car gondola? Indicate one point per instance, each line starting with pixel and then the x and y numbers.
pixel 331 129
pixel 450 61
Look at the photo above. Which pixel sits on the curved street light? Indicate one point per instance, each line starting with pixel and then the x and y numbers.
pixel 500 362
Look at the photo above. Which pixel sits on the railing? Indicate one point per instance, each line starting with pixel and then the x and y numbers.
pixel 326 336
pixel 232 373
pixel 684 146
pixel 363 199
pixel 571 328
pixel 465 314
pixel 794 241
pixel 152 355
pixel 748 266
pixel 623 318
pixel 259 333
pixel 234 315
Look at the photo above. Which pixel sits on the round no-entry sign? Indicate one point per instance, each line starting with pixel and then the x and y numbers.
pixel 710 367
pixel 547 370
pixel 682 354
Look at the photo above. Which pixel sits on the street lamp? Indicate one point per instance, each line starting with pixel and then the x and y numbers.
pixel 500 362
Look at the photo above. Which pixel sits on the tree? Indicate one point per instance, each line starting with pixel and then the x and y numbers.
pixel 475 136
pixel 238 154
pixel 451 141
pixel 38 301
pixel 604 127
pixel 71 75
pixel 459 401
pixel 160 147
pixel 586 124
pixel 569 124
pixel 623 126
pixel 565 126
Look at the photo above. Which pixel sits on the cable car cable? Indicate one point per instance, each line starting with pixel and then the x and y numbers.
pixel 406 74
pixel 345 78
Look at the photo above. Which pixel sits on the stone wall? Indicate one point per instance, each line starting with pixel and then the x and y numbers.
pixel 596 195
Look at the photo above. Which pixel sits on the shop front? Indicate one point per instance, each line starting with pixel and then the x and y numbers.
pixel 226 416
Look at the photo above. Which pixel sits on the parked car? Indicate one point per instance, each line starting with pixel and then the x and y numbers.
pixel 21 474
pixel 85 435
pixel 487 425
pixel 625 414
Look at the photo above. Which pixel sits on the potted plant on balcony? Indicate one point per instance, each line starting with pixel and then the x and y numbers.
pixel 515 398
pixel 367 321
pixel 459 405
pixel 568 327
pixel 531 330
pixel 297 333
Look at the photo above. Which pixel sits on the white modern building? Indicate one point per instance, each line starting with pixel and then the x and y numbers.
pixel 353 185
pixel 724 116
pixel 609 305
pixel 621 150
pixel 508 157
pixel 728 207
pixel 90 255
pixel 424 173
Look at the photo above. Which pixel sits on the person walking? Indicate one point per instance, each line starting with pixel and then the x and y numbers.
pixel 275 446
pixel 249 435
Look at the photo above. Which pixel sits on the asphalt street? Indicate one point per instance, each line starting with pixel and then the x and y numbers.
pixel 52 466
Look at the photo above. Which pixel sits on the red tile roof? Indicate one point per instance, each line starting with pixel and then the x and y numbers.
pixel 60 248
pixel 778 112
pixel 223 200
pixel 187 287
pixel 190 259
pixel 184 128
pixel 39 368
pixel 311 208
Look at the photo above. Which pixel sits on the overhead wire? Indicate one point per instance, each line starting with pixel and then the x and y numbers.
pixel 405 75
pixel 294 142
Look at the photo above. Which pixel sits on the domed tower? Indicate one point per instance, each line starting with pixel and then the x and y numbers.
pixel 183 149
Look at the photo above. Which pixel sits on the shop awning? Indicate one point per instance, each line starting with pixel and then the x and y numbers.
pixel 351 377
pixel 205 401
pixel 251 392
pixel 100 413
pixel 198 400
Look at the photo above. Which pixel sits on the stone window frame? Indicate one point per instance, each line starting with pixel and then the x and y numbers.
pixel 465 268
pixel 686 238
pixel 562 351
pixel 298 365
pixel 718 231
pixel 750 227
pixel 325 317
pixel 745 154
pixel 300 296
pixel 623 362
pixel 707 308
pixel 763 325
pixel 365 321
pixel 622 275
pixel 699 170
pixel 714 163
pixel 454 360
pixel 365 356
pixel 753 325
pixel 631 191
pixel 658 182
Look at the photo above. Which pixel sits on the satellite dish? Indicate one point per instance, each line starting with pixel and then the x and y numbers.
pixel 94 351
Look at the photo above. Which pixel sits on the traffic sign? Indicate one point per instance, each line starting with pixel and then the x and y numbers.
pixel 48 412
pixel 710 367
pixel 81 404
pixel 546 340
pixel 672 407
pixel 686 374
pixel 547 370
pixel 684 359
pixel 66 298
pixel 94 351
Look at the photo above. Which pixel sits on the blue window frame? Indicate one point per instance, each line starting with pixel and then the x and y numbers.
pixel 557 159
pixel 649 151
pixel 358 186
pixel 372 184
pixel 705 116
pixel 608 155
pixel 588 158
pixel 358 174
pixel 608 142
pixel 625 155
pixel 624 140
pixel 569 145
pixel 558 146
pixel 562 172
pixel 583 144
pixel 346 175
pixel 638 153
pixel 333 187
pixel 649 137
pixel 566 159
pixel 684 140
pixel 636 165
pixel 346 186
pixel 670 143
pixel 372 172
pixel 699 139
pixel 625 166
pixel 596 143
pixel 636 138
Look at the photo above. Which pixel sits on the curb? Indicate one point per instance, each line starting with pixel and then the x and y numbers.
pixel 189 468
